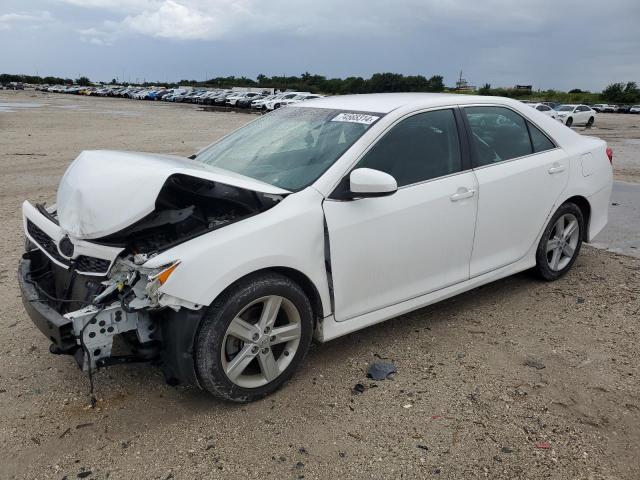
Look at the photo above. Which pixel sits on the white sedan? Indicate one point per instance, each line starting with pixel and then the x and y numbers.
pixel 546 109
pixel 280 100
pixel 303 97
pixel 576 115
pixel 316 220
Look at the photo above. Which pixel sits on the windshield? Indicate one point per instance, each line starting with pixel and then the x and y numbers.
pixel 291 147
pixel 565 108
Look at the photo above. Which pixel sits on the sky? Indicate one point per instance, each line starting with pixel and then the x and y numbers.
pixel 559 44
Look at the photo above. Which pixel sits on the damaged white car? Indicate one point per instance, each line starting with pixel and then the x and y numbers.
pixel 313 221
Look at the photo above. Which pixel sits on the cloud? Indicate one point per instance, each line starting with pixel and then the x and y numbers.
pixel 23 19
pixel 186 22
pixel 546 42
pixel 216 19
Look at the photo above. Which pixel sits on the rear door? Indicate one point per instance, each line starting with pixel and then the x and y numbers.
pixel 521 174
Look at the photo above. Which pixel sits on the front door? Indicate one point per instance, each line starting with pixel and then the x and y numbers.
pixel 390 249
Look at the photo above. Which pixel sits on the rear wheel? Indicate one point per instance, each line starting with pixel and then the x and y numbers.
pixel 569 122
pixel 253 338
pixel 560 242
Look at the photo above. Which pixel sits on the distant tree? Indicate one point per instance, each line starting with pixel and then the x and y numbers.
pixel 113 81
pixel 576 90
pixel 485 89
pixel 622 92
pixel 83 81
pixel 436 83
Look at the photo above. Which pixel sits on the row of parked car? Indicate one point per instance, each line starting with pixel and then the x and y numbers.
pixel 12 86
pixel 576 114
pixel 256 100
pixel 608 108
pixel 569 114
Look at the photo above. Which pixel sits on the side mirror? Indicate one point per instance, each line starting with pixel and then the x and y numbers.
pixel 367 182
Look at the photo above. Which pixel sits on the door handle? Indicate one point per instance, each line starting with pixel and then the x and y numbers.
pixel 462 193
pixel 556 168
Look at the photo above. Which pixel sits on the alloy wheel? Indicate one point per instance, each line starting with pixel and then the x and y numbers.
pixel 562 243
pixel 261 341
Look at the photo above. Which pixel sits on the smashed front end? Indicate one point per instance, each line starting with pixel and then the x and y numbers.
pixel 95 299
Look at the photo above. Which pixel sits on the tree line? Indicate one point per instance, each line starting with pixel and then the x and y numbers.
pixel 377 83
pixel 621 92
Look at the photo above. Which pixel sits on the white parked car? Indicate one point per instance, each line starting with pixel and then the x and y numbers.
pixel 278 102
pixel 316 220
pixel 546 109
pixel 233 99
pixel 635 109
pixel 299 98
pixel 259 104
pixel 576 115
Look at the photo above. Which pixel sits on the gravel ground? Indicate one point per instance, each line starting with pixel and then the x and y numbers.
pixel 516 379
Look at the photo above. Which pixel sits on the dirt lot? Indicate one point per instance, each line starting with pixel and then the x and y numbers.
pixel 463 404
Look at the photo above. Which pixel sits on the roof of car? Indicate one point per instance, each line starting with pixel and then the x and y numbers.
pixel 386 102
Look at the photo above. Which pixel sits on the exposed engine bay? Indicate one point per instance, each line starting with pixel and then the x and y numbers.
pixel 185 208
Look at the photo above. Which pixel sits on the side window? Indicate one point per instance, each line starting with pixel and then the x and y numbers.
pixel 418 148
pixel 498 134
pixel 539 140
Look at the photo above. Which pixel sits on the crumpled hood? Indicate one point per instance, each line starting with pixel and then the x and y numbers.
pixel 104 191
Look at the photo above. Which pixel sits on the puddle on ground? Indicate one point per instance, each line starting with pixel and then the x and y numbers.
pixel 14 107
pixel 119 113
pixel 70 107
pixel 8 107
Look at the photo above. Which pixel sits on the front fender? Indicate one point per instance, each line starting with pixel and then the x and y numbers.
pixel 290 235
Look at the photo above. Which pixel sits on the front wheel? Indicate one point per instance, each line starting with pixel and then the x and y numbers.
pixel 569 122
pixel 560 242
pixel 253 338
pixel 590 122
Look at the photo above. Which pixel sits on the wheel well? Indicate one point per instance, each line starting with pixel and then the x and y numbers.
pixel 585 208
pixel 306 284
pixel 298 277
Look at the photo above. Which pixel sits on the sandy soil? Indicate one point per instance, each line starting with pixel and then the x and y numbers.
pixel 464 403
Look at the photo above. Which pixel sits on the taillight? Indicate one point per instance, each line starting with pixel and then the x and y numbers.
pixel 610 155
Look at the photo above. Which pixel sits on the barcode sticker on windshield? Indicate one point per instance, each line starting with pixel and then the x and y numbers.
pixel 355 118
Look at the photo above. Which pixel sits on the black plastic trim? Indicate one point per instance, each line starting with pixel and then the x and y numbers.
pixel 54 326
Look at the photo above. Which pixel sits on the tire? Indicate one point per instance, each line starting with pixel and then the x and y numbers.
pixel 569 122
pixel 231 365
pixel 590 122
pixel 556 253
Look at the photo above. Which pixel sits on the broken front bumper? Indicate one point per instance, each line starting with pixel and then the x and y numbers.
pixel 52 324
pixel 86 331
